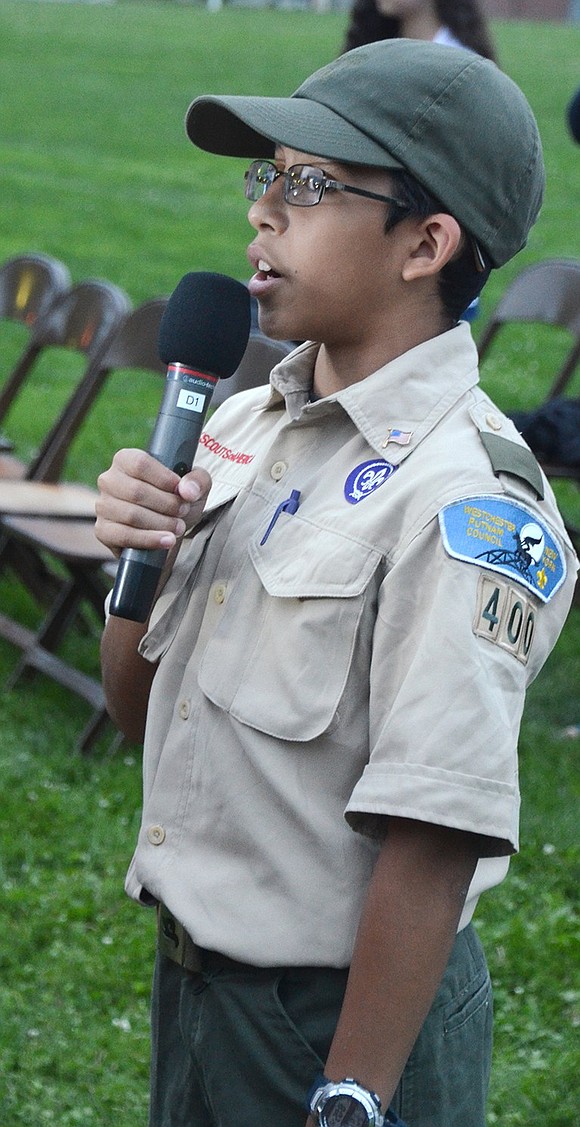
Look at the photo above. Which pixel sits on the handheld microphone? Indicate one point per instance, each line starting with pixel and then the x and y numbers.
pixel 207 325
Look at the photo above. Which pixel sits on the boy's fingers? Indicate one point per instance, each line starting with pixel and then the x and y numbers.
pixel 136 502
pixel 193 490
pixel 115 510
pixel 116 537
pixel 138 478
pixel 142 504
pixel 144 467
pixel 194 485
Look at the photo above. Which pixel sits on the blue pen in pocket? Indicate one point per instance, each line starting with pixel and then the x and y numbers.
pixel 290 506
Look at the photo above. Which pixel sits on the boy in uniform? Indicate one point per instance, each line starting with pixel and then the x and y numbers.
pixel 332 678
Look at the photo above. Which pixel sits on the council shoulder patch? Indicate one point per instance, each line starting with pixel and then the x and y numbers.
pixel 501 535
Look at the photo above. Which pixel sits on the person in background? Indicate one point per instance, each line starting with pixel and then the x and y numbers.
pixel 455 23
pixel 573 116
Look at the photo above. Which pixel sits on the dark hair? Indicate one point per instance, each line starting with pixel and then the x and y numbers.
pixel 460 281
pixel 367 25
pixel 463 18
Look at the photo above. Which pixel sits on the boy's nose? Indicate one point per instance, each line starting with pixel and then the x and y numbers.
pixel 271 209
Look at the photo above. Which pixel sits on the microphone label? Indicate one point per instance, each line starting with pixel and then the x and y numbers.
pixel 191 401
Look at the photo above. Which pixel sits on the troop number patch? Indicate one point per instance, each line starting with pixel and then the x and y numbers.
pixel 505 615
pixel 503 536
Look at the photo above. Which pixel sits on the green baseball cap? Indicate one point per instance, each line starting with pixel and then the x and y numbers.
pixel 451 118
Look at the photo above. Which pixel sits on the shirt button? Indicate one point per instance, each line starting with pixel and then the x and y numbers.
pixel 184 709
pixel 219 593
pixel 278 470
pixel 156 835
pixel 494 422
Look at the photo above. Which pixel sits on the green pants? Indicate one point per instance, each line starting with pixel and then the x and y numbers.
pixel 239 1046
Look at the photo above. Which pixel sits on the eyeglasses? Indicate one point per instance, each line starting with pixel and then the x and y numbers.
pixel 304 185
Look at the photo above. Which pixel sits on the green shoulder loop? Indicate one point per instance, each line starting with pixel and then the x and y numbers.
pixel 509 457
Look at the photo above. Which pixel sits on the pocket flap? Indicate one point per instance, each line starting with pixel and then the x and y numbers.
pixel 302 560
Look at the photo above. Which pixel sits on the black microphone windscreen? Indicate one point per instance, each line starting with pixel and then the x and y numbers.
pixel 206 324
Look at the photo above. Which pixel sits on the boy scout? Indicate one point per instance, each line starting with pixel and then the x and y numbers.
pixel 332 679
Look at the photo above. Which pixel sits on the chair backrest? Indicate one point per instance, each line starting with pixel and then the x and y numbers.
pixel 81 318
pixel 547 293
pixel 261 355
pixel 29 284
pixel 133 344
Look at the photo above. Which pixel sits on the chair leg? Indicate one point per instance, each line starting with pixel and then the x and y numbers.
pixel 48 635
pixel 98 723
pixel 38 647
pixel 81 586
pixel 29 568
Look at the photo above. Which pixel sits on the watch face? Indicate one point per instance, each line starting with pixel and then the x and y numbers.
pixel 344 1111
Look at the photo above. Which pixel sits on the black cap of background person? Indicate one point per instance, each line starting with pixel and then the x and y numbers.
pixel 451 118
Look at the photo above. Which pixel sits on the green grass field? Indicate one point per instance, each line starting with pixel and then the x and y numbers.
pixel 96 170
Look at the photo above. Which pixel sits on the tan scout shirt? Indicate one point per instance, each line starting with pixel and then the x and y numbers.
pixel 323 668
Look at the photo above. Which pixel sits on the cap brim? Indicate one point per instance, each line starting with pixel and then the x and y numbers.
pixel 238 126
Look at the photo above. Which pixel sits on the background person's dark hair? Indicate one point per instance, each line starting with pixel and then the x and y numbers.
pixel 463 18
pixel 459 282
pixel 367 25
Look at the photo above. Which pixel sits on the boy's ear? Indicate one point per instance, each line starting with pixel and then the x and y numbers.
pixel 438 239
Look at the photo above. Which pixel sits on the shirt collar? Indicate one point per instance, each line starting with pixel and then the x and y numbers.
pixel 397 405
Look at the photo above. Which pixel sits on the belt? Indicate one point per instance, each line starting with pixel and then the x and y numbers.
pixel 174 942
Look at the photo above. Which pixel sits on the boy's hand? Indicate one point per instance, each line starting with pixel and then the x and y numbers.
pixel 142 504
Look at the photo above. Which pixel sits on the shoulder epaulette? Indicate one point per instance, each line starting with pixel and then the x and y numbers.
pixel 509 457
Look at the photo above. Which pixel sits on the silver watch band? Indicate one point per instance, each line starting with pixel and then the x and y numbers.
pixel 324 1090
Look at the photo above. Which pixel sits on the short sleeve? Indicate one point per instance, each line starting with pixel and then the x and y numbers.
pixel 448 684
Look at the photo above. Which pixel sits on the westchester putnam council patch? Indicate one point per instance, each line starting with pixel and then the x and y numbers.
pixel 500 534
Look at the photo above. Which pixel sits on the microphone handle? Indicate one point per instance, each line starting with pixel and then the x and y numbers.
pixel 174 442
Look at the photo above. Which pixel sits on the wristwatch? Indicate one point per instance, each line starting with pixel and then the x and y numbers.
pixel 347 1103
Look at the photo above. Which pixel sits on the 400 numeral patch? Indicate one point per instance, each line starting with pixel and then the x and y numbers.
pixel 505 616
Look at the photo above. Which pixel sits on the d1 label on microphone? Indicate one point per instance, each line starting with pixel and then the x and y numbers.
pixel 191 400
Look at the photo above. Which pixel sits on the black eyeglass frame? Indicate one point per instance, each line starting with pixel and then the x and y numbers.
pixel 323 184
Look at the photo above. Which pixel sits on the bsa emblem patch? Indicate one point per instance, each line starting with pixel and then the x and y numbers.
pixel 504 536
pixel 367 477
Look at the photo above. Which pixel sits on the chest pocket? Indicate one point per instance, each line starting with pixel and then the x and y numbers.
pixel 281 654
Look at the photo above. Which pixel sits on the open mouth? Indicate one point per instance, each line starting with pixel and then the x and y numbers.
pixel 265 270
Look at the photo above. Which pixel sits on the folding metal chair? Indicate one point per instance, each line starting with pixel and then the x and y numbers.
pixel 81 319
pixel 261 355
pixel 70 543
pixel 29 284
pixel 546 293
